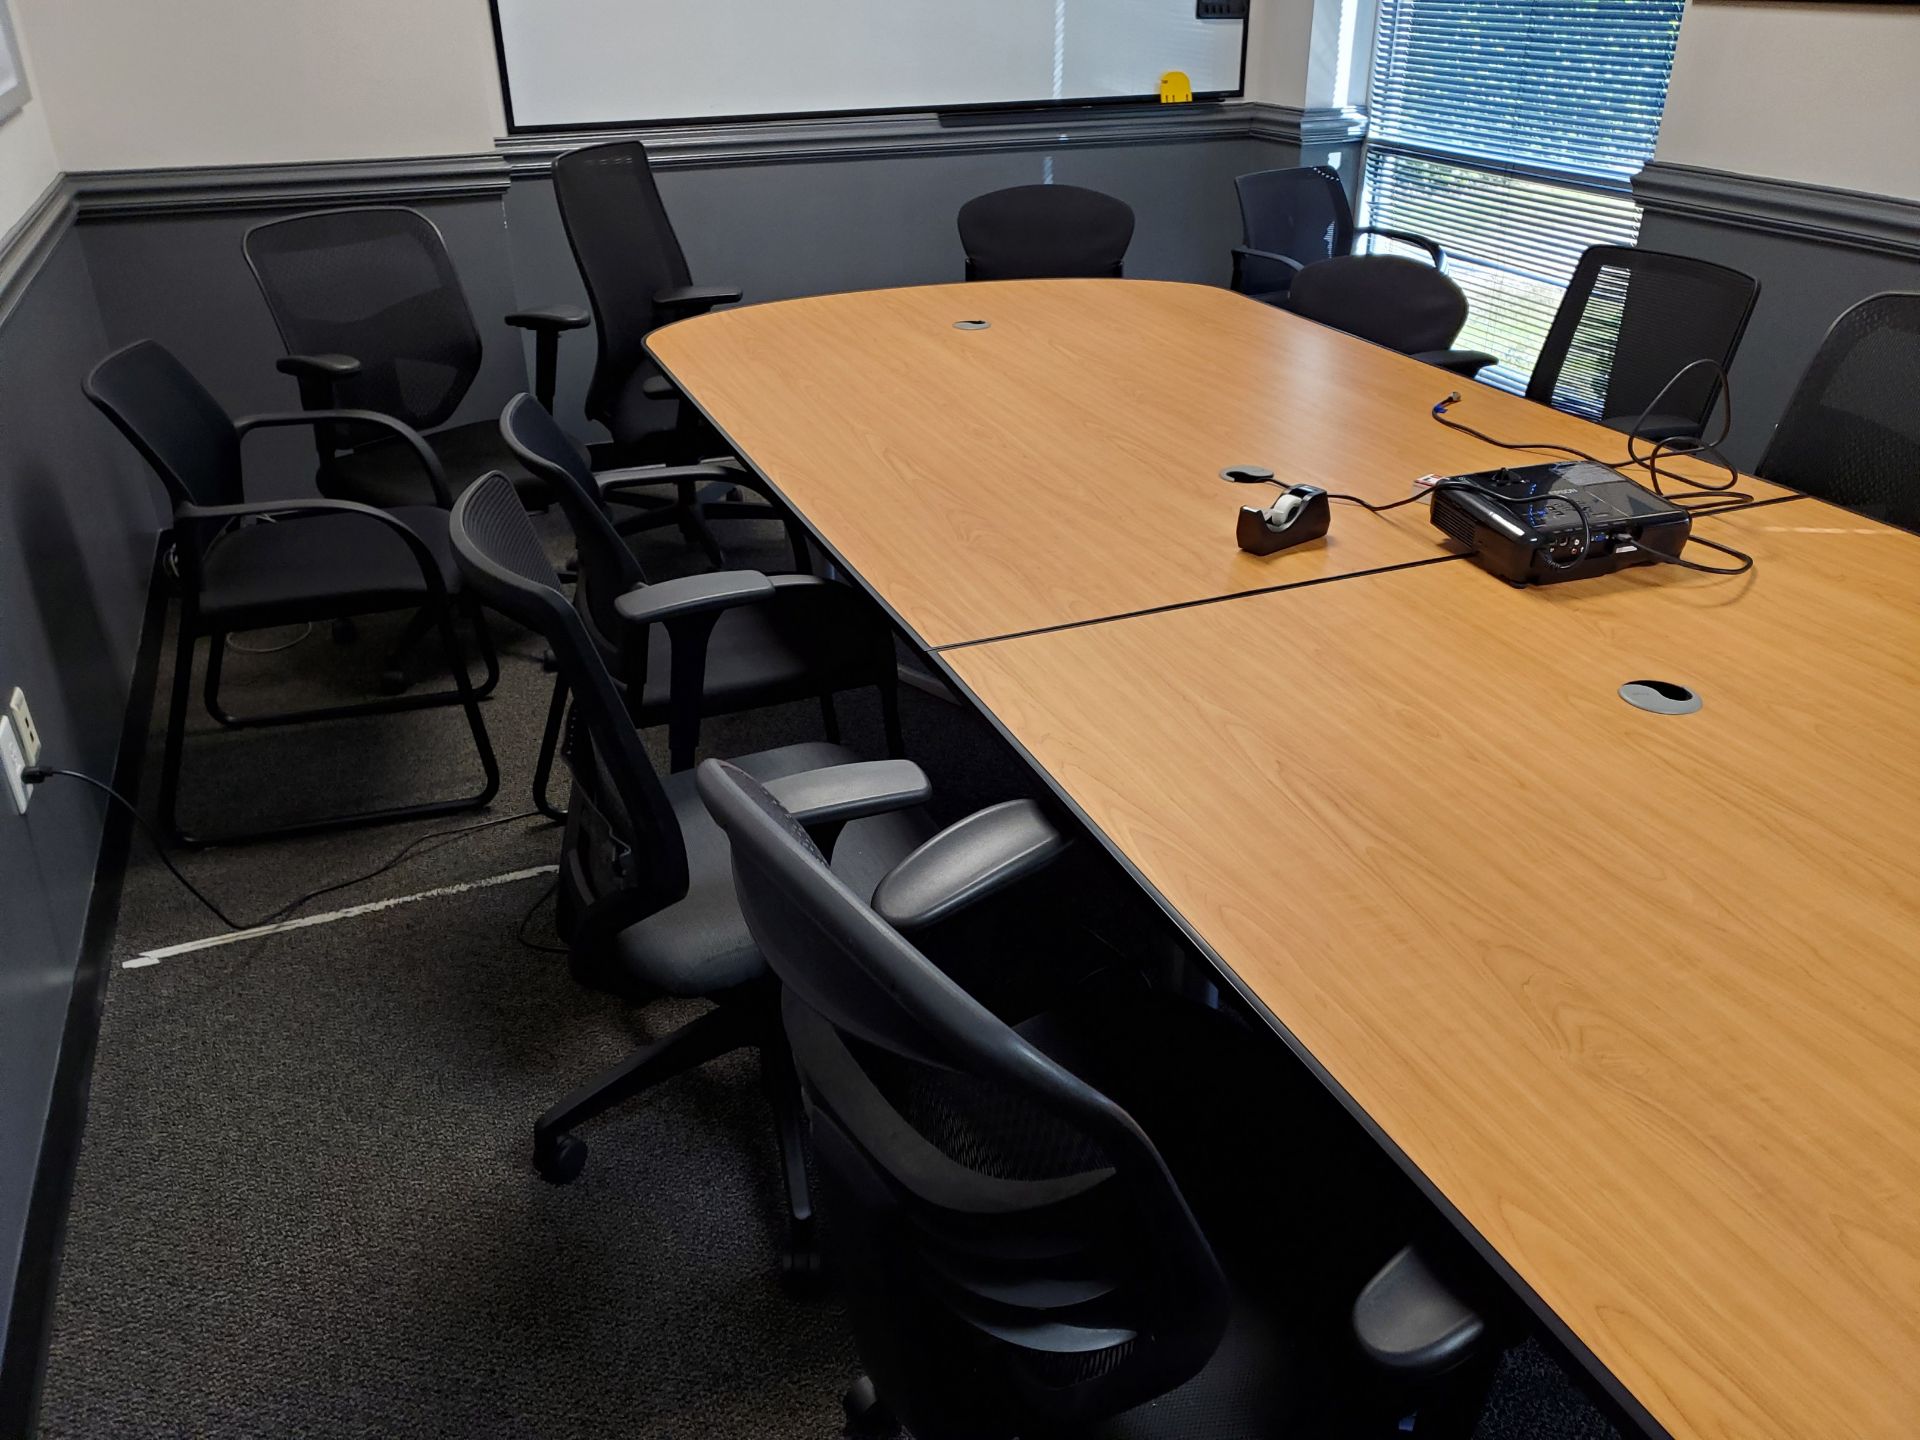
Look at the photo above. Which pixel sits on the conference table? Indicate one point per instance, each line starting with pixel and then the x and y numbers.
pixel 1634 997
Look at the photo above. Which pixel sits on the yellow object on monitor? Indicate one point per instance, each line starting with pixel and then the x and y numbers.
pixel 1176 88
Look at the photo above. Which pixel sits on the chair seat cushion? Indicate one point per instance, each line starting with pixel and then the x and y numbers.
pixel 806 640
pixel 700 945
pixel 317 567
pixel 388 474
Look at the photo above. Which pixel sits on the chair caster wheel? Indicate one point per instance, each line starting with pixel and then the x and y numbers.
pixel 560 1159
pixel 345 632
pixel 802 1270
pixel 867 1418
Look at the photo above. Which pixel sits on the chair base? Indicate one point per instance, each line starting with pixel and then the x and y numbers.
pixel 393 683
pixel 736 1024
pixel 464 694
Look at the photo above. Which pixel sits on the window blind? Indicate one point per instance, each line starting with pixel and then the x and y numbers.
pixel 1509 131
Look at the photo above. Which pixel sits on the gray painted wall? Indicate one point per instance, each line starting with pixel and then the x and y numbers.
pixel 1805 285
pixel 77 527
pixel 183 280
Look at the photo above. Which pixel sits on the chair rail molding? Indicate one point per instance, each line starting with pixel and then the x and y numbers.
pixel 1884 224
pixel 31 241
pixel 860 137
pixel 130 194
pixel 133 194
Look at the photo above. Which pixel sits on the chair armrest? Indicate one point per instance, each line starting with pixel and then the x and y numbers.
pixel 1405 237
pixel 429 462
pixel 614 482
pixel 317 375
pixel 691 595
pixel 687 300
pixel 658 387
pixel 321 367
pixel 1290 267
pixel 843 793
pixel 1461 362
pixel 688 608
pixel 967 862
pixel 1248 252
pixel 547 326
pixel 554 317
pixel 1409 1321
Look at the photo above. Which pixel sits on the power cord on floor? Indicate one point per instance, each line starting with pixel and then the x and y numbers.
pixel 527 919
pixel 36 774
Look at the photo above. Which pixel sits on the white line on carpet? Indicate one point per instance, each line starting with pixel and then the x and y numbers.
pixel 235 937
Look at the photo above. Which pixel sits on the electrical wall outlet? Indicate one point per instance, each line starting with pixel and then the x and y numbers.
pixel 23 726
pixel 13 761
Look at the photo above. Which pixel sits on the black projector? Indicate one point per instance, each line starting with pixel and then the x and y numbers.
pixel 1537 524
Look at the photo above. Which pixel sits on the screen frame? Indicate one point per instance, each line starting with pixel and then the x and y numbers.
pixel 1008 107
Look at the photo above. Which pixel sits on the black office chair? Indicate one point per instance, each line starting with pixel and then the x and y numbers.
pixel 1851 433
pixel 1298 217
pixel 374 317
pixel 1405 305
pixel 646 901
pixel 1017 1258
pixel 318 560
pixel 1045 232
pixel 1631 320
pixel 637 280
pixel 712 644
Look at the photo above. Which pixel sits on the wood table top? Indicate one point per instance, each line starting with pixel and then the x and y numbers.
pixel 1640 995
pixel 1063 466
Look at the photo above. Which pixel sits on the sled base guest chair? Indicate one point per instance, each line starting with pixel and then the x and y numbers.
pixel 1017 1257
pixel 1851 432
pixel 1045 232
pixel 755 640
pixel 646 901
pixel 1298 217
pixel 1630 322
pixel 317 560
pixel 374 317
pixel 637 280
pixel 1405 305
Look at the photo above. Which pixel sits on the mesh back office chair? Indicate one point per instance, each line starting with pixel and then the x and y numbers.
pixel 374 317
pixel 1851 433
pixel 1403 304
pixel 637 280
pixel 1017 1257
pixel 784 638
pixel 1045 232
pixel 1630 321
pixel 646 900
pixel 1294 218
pixel 319 560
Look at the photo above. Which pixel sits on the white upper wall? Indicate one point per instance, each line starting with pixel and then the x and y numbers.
pixel 127 84
pixel 28 162
pixel 136 83
pixel 1824 93
pixel 1279 45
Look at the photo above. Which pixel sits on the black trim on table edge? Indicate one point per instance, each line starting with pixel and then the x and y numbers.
pixel 30 1315
pixel 1619 1403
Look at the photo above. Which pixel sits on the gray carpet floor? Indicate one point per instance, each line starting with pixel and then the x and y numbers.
pixel 304 1203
